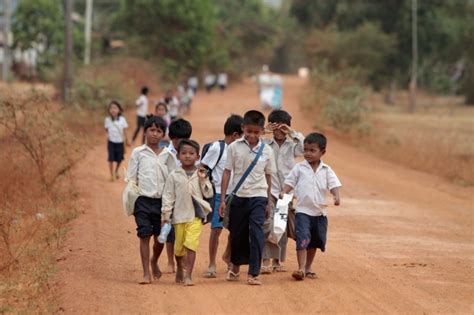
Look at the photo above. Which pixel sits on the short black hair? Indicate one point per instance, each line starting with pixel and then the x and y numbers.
pixel 254 117
pixel 160 103
pixel 116 103
pixel 317 138
pixel 189 142
pixel 145 90
pixel 279 116
pixel 180 129
pixel 233 124
pixel 157 121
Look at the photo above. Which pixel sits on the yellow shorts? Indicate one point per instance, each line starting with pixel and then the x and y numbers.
pixel 187 236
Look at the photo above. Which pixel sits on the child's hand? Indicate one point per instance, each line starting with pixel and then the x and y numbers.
pixel 202 173
pixel 285 128
pixel 163 222
pixel 269 209
pixel 337 201
pixel 271 127
pixel 221 209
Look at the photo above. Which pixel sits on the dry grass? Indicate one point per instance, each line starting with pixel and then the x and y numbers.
pixel 37 197
pixel 437 138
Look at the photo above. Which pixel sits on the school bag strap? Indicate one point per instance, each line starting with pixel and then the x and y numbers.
pixel 249 169
pixel 221 152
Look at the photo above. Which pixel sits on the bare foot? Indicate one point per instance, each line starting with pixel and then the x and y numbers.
pixel 188 282
pixel 179 276
pixel 169 269
pixel 146 280
pixel 155 270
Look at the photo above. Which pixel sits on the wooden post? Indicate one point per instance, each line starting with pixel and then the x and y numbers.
pixel 414 66
pixel 6 39
pixel 68 51
pixel 87 32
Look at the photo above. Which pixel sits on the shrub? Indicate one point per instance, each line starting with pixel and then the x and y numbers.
pixel 345 111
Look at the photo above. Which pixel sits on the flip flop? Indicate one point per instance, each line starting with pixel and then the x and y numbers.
pixel 280 268
pixel 210 274
pixel 144 282
pixel 298 275
pixel 232 276
pixel 254 281
pixel 311 275
pixel 266 270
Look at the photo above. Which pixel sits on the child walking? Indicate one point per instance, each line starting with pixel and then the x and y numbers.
pixel 142 111
pixel 184 205
pixel 161 110
pixel 287 145
pixel 115 125
pixel 251 203
pixel 310 180
pixel 179 129
pixel 148 167
pixel 215 160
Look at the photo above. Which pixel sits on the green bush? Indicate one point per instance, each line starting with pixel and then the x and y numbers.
pixel 345 111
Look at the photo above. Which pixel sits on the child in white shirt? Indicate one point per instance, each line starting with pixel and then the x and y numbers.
pixel 115 125
pixel 310 180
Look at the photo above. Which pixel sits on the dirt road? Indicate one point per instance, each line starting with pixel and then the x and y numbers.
pixel 402 241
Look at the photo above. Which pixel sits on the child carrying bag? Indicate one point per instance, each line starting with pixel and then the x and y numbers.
pixel 228 200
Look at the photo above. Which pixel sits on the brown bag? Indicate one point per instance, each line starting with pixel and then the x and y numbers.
pixel 291 226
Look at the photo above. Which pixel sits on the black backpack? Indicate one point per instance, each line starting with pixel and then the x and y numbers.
pixel 205 149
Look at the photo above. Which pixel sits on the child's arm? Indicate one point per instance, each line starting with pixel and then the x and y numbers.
pixel 168 200
pixel 286 190
pixel 335 193
pixel 205 183
pixel 297 137
pixel 291 181
pixel 132 168
pixel 270 204
pixel 224 186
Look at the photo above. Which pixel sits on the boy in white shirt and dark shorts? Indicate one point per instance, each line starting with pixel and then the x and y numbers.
pixel 310 180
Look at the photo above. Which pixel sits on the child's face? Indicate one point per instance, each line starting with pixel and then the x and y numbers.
pixel 312 152
pixel 252 133
pixel 160 111
pixel 236 136
pixel 154 135
pixel 114 111
pixel 278 134
pixel 188 155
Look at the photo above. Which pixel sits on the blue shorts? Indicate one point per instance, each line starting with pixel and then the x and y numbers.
pixel 216 221
pixel 311 232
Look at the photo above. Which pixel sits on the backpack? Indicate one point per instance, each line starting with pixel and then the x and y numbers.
pixel 204 151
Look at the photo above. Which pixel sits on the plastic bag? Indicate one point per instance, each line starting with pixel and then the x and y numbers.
pixel 130 196
pixel 280 218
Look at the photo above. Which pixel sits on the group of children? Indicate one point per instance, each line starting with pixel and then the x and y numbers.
pixel 240 177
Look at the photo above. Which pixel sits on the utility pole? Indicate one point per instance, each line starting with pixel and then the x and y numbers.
pixel 68 53
pixel 87 32
pixel 414 46
pixel 6 38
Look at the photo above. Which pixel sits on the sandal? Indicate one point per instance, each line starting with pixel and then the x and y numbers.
pixel 266 270
pixel 298 275
pixel 210 274
pixel 280 268
pixel 254 281
pixel 311 275
pixel 232 276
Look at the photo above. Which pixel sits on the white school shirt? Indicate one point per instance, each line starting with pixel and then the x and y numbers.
pixel 210 160
pixel 222 79
pixel 149 170
pixel 239 157
pixel 142 106
pixel 174 153
pixel 193 82
pixel 285 159
pixel 115 129
pixel 310 187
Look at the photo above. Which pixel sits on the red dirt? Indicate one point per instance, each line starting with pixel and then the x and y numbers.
pixel 401 242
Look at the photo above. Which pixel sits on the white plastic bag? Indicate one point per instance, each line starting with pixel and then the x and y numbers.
pixel 280 218
pixel 130 196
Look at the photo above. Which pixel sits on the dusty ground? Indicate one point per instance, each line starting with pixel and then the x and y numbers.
pixel 402 241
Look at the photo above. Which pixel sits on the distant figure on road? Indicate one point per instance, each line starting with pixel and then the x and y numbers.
pixel 142 111
pixel 222 81
pixel 210 81
pixel 193 83
pixel 269 89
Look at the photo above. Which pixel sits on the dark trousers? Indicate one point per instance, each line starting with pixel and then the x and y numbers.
pixel 140 125
pixel 246 218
